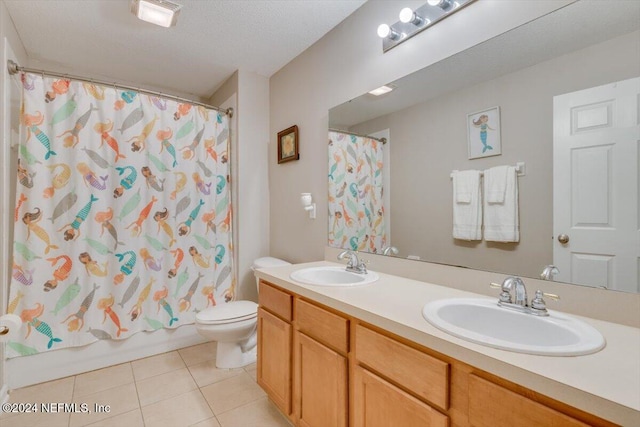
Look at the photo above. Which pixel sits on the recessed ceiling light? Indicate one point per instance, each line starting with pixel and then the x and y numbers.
pixel 159 12
pixel 381 90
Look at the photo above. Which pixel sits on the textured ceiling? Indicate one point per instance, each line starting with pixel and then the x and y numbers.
pixel 213 38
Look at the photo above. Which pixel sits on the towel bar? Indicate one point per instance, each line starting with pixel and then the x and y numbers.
pixel 520 170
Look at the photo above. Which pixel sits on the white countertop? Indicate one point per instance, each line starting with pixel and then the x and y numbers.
pixel 606 383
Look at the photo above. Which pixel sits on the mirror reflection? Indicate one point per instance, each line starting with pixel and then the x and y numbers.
pixel 566 90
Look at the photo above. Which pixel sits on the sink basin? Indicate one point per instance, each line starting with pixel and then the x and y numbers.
pixel 332 276
pixel 482 321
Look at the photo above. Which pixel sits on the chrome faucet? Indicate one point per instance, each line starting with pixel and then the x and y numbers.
pixel 354 265
pixel 538 306
pixel 390 250
pixel 520 290
pixel 549 271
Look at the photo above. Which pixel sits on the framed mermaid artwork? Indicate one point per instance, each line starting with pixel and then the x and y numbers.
pixel 483 133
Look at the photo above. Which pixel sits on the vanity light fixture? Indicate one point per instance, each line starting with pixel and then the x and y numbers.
pixel 415 21
pixel 160 12
pixel 307 203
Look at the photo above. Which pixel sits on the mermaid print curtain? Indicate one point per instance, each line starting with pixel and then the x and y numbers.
pixel 123 214
pixel 356 211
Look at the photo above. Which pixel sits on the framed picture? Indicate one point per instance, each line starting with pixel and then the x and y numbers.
pixel 483 133
pixel 288 145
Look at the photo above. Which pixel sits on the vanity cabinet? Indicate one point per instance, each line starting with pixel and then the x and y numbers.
pixel 325 368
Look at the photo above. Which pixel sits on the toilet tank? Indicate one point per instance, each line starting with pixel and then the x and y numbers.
pixel 265 262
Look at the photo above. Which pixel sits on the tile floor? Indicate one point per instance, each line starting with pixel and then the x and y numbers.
pixel 175 389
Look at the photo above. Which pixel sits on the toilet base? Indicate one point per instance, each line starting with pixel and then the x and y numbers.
pixel 229 355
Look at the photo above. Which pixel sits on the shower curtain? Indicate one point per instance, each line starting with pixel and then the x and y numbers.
pixel 123 214
pixel 356 211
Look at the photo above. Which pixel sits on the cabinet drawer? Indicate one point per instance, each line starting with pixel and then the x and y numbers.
pixel 276 301
pixel 491 405
pixel 423 375
pixel 322 325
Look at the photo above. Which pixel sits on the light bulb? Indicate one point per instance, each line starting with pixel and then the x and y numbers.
pixel 383 31
pixel 386 32
pixel 442 4
pixel 407 15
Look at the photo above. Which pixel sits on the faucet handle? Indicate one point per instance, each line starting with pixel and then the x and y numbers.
pixel 548 295
pixel 539 304
pixel 505 295
pixel 549 271
pixel 363 265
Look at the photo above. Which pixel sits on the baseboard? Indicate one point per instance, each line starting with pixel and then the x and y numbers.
pixel 28 370
pixel 4 394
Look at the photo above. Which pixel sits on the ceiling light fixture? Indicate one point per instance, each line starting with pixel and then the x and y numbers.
pixel 160 12
pixel 382 90
pixel 415 21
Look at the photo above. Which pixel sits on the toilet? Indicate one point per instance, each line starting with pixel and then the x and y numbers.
pixel 234 325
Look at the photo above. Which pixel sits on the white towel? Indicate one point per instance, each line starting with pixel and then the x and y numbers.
pixel 467 205
pixel 501 222
pixel 495 184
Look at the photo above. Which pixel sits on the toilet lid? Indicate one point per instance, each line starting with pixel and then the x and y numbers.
pixel 234 311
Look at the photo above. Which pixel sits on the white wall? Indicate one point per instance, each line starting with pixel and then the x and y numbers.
pixel 12 48
pixel 249 171
pixel 345 63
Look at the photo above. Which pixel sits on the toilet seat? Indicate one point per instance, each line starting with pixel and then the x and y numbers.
pixel 231 312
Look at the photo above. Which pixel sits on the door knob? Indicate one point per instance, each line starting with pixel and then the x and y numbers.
pixel 563 238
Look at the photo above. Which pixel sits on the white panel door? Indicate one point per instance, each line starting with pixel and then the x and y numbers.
pixel 596 134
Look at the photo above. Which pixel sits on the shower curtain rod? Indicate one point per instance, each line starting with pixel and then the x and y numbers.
pixel 14 68
pixel 383 140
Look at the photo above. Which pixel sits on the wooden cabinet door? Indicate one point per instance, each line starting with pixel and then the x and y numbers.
pixel 320 384
pixel 274 359
pixel 377 403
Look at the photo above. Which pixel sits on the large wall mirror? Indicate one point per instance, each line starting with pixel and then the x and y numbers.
pixel 567 87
